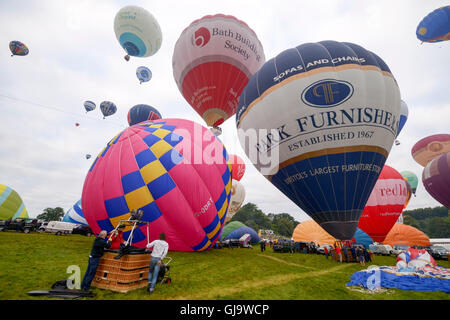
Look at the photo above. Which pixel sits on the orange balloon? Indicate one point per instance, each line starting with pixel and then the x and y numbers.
pixel 408 235
pixel 311 231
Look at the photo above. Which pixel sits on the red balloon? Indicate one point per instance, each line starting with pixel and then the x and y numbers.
pixel 385 204
pixel 238 167
pixel 77 124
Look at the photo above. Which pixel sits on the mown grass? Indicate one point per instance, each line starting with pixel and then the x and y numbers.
pixel 35 261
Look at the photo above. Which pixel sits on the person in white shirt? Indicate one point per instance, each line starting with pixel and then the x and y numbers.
pixel 160 248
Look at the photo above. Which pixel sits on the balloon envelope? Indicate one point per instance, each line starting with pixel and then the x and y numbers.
pixel 89 105
pixel 213 60
pixel 407 235
pixel 436 178
pixel 385 204
pixel 238 166
pixel 326 115
pixel 137 31
pixel 403 116
pixel 412 180
pixel 75 214
pixel 435 27
pixel 142 112
pixel 311 231
pixel 237 230
pixel 143 74
pixel 17 48
pixel 430 147
pixel 11 204
pixel 236 200
pixel 180 180
pixel 107 108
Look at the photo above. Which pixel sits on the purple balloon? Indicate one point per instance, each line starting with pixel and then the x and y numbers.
pixel 436 178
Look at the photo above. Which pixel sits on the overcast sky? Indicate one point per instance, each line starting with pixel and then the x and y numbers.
pixel 75 56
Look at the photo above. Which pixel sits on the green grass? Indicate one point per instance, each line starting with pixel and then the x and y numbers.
pixel 35 261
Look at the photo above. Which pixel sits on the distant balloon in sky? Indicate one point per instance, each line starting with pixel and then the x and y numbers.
pixel 137 31
pixel 412 180
pixel 213 60
pixel 319 121
pixel 77 124
pixel 88 156
pixel 403 116
pixel 89 105
pixel 238 166
pixel 18 48
pixel 11 204
pixel 436 178
pixel 175 171
pixel 108 108
pixel 435 27
pixel 385 204
pixel 143 74
pixel 430 147
pixel 236 199
pixel 142 112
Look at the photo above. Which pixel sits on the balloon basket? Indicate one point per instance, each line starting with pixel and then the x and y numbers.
pixel 129 272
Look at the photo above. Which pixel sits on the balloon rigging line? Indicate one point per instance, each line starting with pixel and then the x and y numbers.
pixel 56 109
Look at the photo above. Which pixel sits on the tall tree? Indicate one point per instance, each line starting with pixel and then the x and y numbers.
pixel 52 214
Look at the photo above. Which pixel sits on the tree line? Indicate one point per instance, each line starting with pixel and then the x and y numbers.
pixel 434 222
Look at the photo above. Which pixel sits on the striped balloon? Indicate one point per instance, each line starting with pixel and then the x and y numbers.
pixel 75 214
pixel 175 171
pixel 11 205
pixel 319 121
pixel 385 204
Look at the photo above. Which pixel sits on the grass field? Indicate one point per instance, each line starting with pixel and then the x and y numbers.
pixel 35 261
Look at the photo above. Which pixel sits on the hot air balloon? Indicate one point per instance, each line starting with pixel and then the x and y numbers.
pixel 319 121
pixel 407 235
pixel 142 112
pixel 435 27
pixel 408 197
pixel 18 48
pixel 310 231
pixel 436 178
pixel 430 147
pixel 88 156
pixel 385 204
pixel 213 60
pixel 77 124
pixel 143 74
pixel 238 166
pixel 137 31
pixel 75 214
pixel 412 179
pixel 236 200
pixel 108 108
pixel 89 105
pixel 11 204
pixel 180 180
pixel 403 116
pixel 236 229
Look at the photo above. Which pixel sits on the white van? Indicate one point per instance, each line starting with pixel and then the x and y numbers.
pixel 59 227
pixel 381 249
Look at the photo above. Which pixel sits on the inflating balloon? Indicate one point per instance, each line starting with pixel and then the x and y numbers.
pixel 319 121
pixel 143 74
pixel 212 62
pixel 236 200
pixel 436 179
pixel 142 112
pixel 435 27
pixel 89 105
pixel 235 230
pixel 385 204
pixel 18 48
pixel 11 204
pixel 137 31
pixel 175 171
pixel 430 147
pixel 75 214
pixel 108 108
pixel 412 180
pixel 238 166
pixel 407 235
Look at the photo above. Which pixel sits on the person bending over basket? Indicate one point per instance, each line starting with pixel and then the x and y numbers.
pixel 160 248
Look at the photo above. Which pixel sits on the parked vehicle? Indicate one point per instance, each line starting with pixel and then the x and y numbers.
pixel 381 249
pixel 399 248
pixel 438 252
pixel 82 229
pixel 59 227
pixel 321 249
pixel 25 225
